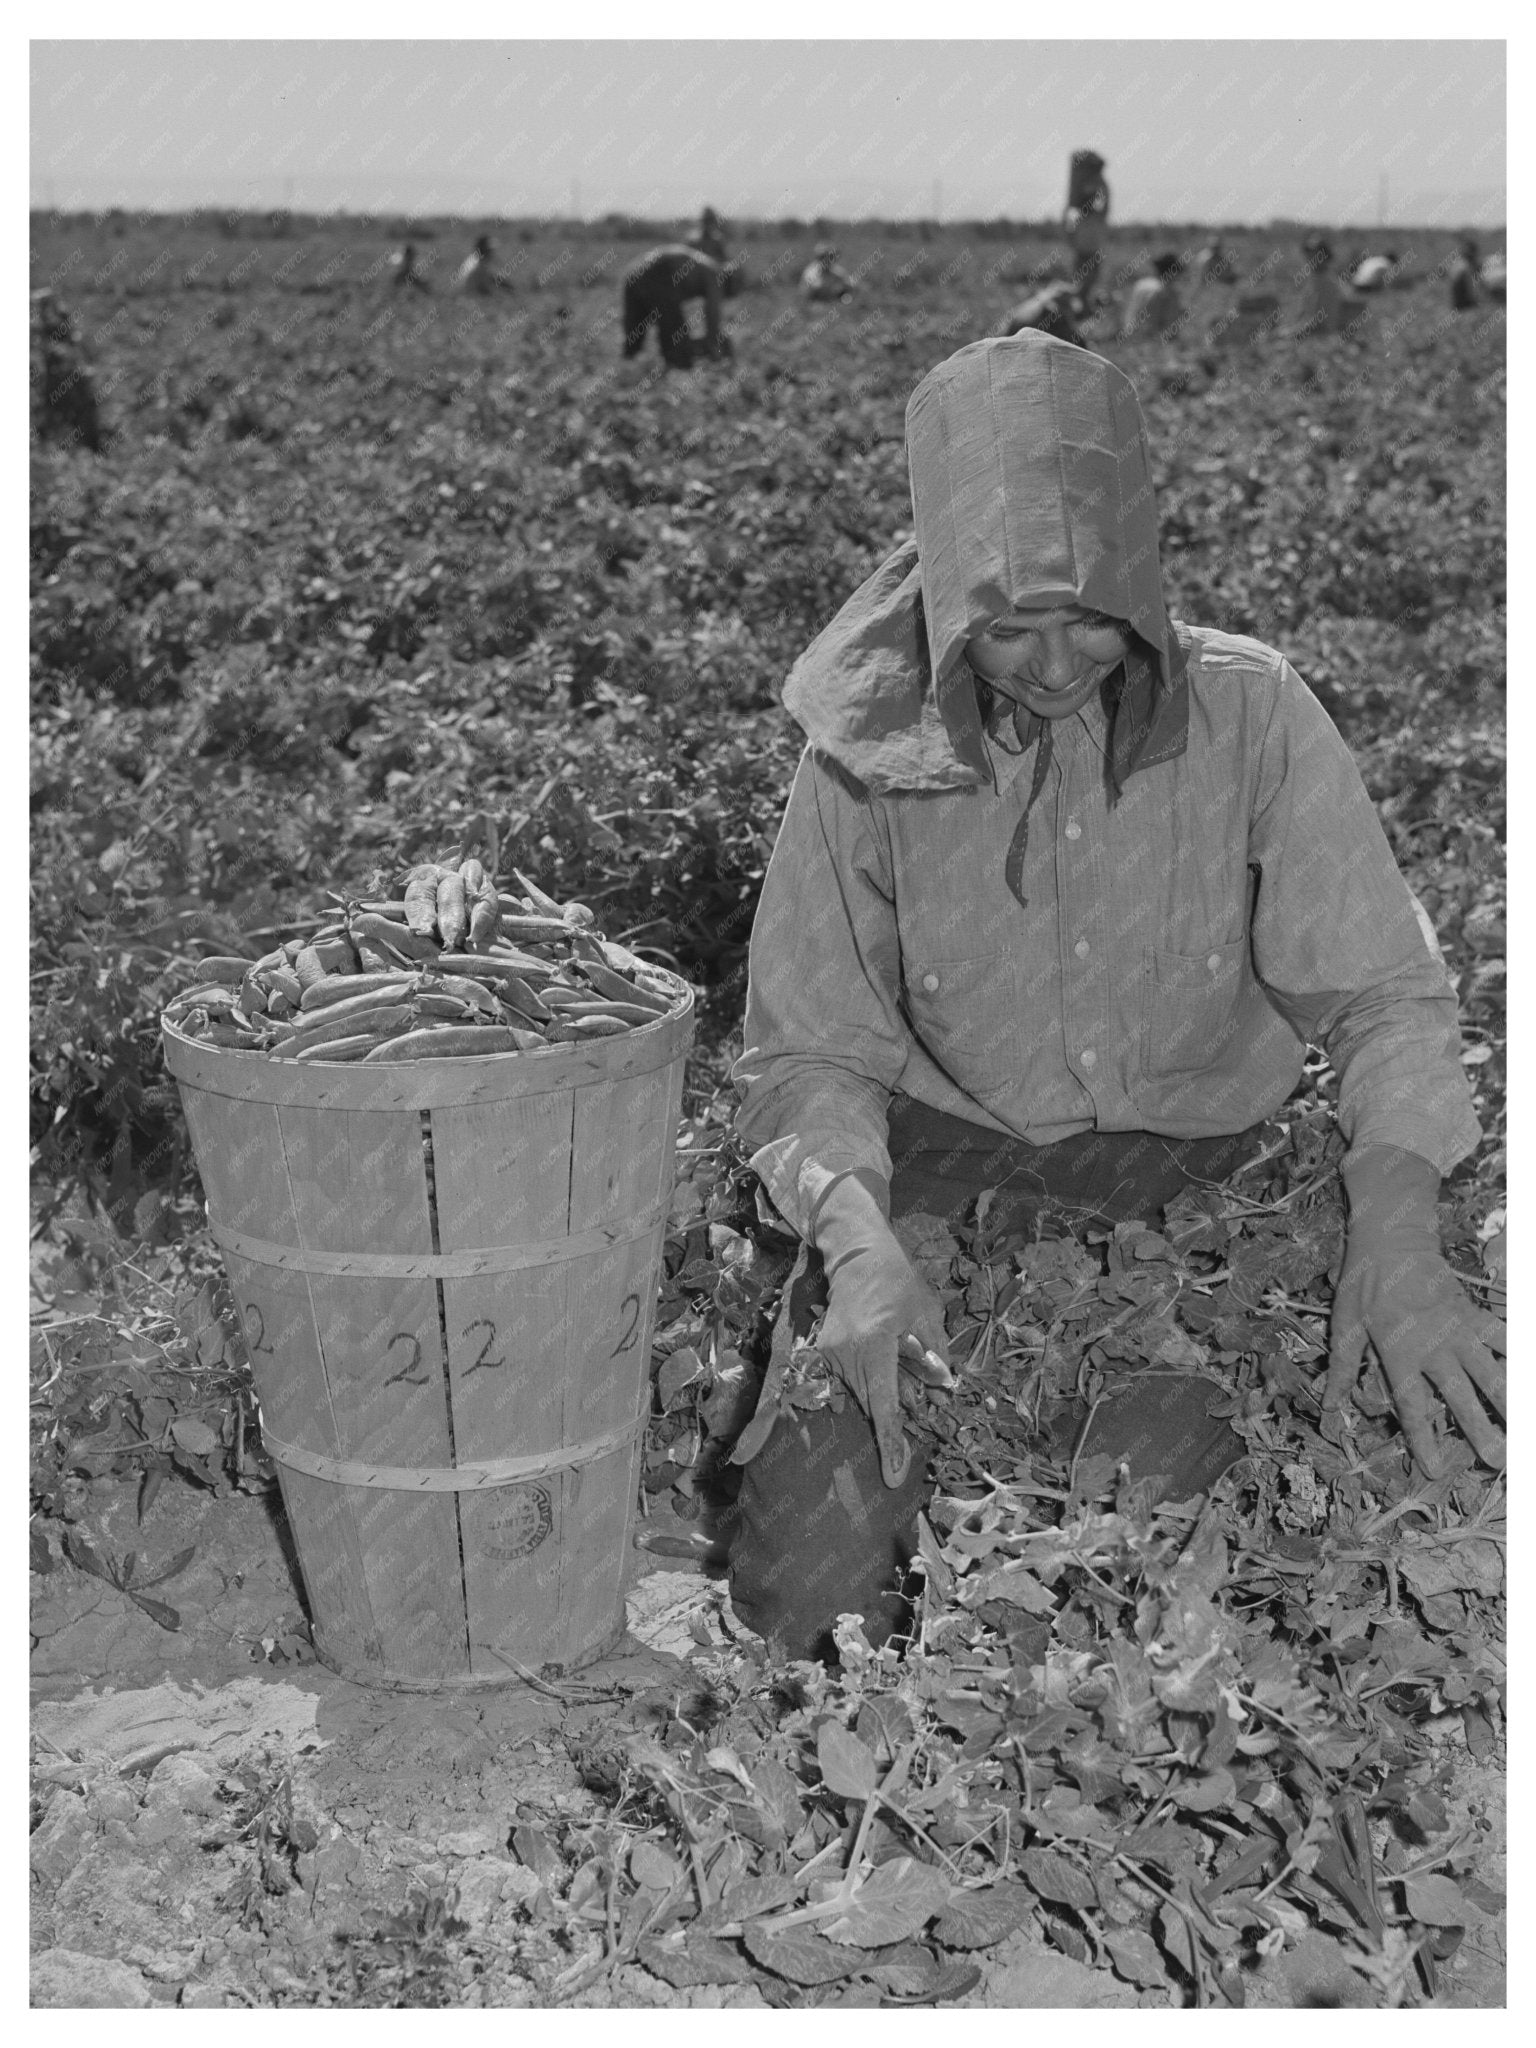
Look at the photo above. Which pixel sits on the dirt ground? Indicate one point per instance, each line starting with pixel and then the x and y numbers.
pixel 219 1821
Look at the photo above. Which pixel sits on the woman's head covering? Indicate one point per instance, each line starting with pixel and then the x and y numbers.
pixel 1031 484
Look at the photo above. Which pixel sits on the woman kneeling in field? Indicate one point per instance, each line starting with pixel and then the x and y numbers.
pixel 1063 890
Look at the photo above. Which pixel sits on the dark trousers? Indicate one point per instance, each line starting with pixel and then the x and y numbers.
pixel 815 1532
pixel 941 1163
pixel 642 309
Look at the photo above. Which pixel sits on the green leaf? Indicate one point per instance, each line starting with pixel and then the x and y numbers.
pixel 953 1981
pixel 1058 1878
pixel 1135 1956
pixel 885 1724
pixel 652 1868
pixel 177 1564
pixel 82 1552
pixel 1013 1584
pixel 979 1919
pixel 699 1959
pixel 677 1372
pixel 801 1956
pixel 157 1610
pixel 1437 1902
pixel 848 1768
pixel 896 1899
pixel 1205 1794
pixel 760 1428
pixel 195 1436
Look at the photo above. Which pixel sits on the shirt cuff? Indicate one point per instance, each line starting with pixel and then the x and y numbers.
pixel 796 1181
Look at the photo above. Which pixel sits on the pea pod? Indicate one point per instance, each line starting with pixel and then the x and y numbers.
pixel 219 1033
pixel 308 967
pixel 421 898
pixel 609 982
pixel 312 1023
pixel 448 1041
pixel 283 981
pixel 436 1003
pixel 571 1030
pixel 539 898
pixel 354 1048
pixel 484 914
pixel 472 990
pixel 224 967
pixel 517 924
pixel 400 938
pixel 514 989
pixel 378 1019
pixel 339 988
pixel 602 1006
pixel 452 909
pixel 531 966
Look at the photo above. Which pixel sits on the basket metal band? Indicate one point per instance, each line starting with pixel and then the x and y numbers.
pixel 454 1478
pixel 261 1251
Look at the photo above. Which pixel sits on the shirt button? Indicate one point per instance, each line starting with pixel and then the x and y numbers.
pixel 1214 962
pixel 930 982
pixel 1090 1058
pixel 1074 830
pixel 1081 949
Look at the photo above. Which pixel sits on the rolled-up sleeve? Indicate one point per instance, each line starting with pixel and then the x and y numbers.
pixel 1343 946
pixel 825 1040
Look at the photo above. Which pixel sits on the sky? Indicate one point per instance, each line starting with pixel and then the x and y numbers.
pixel 1354 132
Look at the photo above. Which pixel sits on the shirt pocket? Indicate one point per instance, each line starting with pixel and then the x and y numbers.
pixel 1190 1007
pixel 966 1014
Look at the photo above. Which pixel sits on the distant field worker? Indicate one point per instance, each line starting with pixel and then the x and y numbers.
pixel 824 277
pixel 1054 308
pixel 657 289
pixel 1153 305
pixel 403 263
pixel 1214 264
pixel 64 406
pixel 1374 273
pixel 1464 275
pixel 709 236
pixel 1327 307
pixel 1086 219
pixel 709 239
pixel 1493 277
pixel 478 273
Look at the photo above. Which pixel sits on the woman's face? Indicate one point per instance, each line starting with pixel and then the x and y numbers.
pixel 1050 658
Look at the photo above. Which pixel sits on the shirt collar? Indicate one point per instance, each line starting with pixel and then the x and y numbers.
pixel 1085 729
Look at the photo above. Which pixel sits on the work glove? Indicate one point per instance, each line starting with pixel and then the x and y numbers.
pixel 1397 1294
pixel 876 1300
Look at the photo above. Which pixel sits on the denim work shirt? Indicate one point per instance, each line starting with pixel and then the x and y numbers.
pixel 1176 951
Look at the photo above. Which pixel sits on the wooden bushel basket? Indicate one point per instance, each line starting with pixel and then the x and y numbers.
pixel 447 1273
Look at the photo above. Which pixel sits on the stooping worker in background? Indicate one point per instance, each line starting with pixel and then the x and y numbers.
pixel 403 263
pixel 1153 305
pixel 657 290
pixel 1327 305
pixel 709 236
pixel 824 278
pixel 1212 264
pixel 1374 273
pixel 1062 892
pixel 1463 275
pixel 1054 308
pixel 1086 219
pixel 477 273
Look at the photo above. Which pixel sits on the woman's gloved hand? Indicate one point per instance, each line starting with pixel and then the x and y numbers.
pixel 876 1298
pixel 1397 1294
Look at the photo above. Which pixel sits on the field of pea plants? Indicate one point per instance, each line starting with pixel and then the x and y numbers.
pixel 324 571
